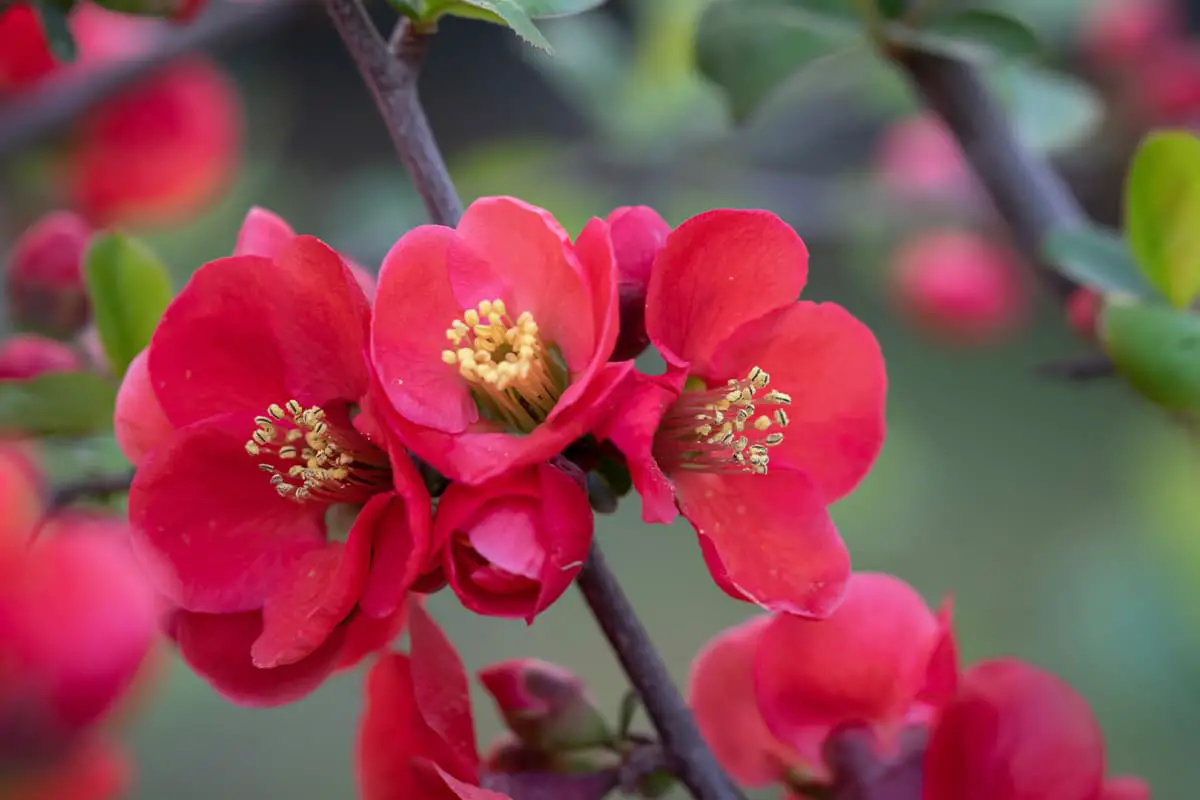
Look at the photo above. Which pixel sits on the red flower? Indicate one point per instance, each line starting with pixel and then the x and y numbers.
pixel 745 361
pixel 258 367
pixel 25 56
pixel 45 275
pixel 417 737
pixel 882 660
pixel 494 348
pixel 1014 732
pixel 27 355
pixel 918 159
pixel 76 623
pixel 513 545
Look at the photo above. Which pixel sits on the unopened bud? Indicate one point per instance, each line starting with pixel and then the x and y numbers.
pixel 1083 306
pixel 45 276
pixel 545 706
pixel 638 233
pixel 27 355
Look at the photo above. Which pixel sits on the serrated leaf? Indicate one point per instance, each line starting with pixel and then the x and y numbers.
pixel 1157 350
pixel 975 35
pixel 1096 257
pixel 751 47
pixel 57 404
pixel 538 9
pixel 58 33
pixel 1162 212
pixel 509 13
pixel 129 289
pixel 1049 110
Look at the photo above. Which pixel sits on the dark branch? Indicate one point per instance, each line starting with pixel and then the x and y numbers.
pixel 99 488
pixel 1026 191
pixel 30 116
pixel 1082 368
pixel 392 79
pixel 694 762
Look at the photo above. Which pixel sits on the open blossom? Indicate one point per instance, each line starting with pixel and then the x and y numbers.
pixel 271 509
pixel 416 740
pixel 1015 732
pixel 882 660
pixel 770 410
pixel 493 349
pixel 513 545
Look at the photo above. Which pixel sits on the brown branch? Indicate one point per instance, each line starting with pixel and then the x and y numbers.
pixel 392 80
pixel 30 116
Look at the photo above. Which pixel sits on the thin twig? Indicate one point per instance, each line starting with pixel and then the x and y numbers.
pixel 392 80
pixel 30 116
pixel 1079 369
pixel 99 487
pixel 1026 191
pixel 695 764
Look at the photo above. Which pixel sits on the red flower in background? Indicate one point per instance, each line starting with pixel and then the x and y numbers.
pixel 1014 732
pixel 264 451
pixel 882 660
pixel 44 278
pixel 26 355
pixel 153 154
pixel 754 378
pixel 919 159
pixel 513 545
pixel 494 344
pixel 416 740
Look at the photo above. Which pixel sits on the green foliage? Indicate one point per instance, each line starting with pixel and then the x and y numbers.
pixel 1096 257
pixel 54 23
pixel 1162 212
pixel 751 47
pixel 1050 110
pixel 515 14
pixel 129 289
pixel 1157 350
pixel 57 404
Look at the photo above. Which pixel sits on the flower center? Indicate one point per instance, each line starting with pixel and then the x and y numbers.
pixel 716 430
pixel 310 459
pixel 514 376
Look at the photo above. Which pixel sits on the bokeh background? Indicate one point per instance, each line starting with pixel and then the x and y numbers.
pixel 1063 518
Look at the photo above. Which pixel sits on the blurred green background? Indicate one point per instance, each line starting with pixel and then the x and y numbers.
pixel 1064 519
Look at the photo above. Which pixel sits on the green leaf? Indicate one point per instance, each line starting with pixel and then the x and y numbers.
pixel 1049 110
pixel 1162 214
pixel 58 34
pixel 893 9
pixel 974 35
pixel 750 47
pixel 1096 257
pixel 57 403
pixel 509 13
pixel 129 289
pixel 538 9
pixel 1157 350
pixel 630 704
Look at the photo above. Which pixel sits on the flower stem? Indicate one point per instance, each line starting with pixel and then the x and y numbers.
pixel 391 73
pixel 390 70
pixel 1026 191
pixel 694 763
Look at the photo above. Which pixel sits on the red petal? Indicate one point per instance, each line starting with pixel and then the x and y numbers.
pixel 453 787
pixel 474 458
pixel 718 270
pixel 532 254
pixel 407 341
pixel 139 423
pixel 1125 788
pixel 721 694
pixel 773 539
pixel 367 635
pixel 831 365
pixel 637 410
pixel 247 332
pixel 565 533
pixel 941 677
pixel 208 523
pixel 1014 732
pixel 638 234
pixel 391 735
pixel 402 540
pixel 442 690
pixel 263 233
pixel 864 664
pixel 317 594
pixel 217 647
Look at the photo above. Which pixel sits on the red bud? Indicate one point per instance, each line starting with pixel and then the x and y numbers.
pixel 546 706
pixel 27 355
pixel 638 233
pixel 45 276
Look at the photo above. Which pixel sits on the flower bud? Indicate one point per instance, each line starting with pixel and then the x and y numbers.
pixel 1083 306
pixel 545 705
pixel 26 356
pixel 515 543
pixel 45 276
pixel 638 233
pixel 918 159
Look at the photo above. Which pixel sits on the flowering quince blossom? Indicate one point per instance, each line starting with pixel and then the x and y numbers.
pixel 882 660
pixel 513 544
pixel 256 447
pixel 416 740
pixel 770 410
pixel 1015 732
pixel 493 342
